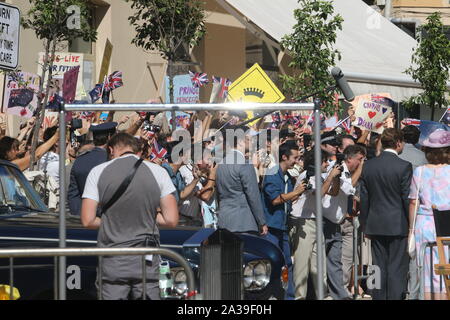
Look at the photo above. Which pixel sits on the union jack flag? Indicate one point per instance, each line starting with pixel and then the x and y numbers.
pixel 96 93
pixel 87 114
pixel 224 85
pixel 383 100
pixel 199 79
pixel 158 152
pixel 276 120
pixel 310 119
pixel 55 102
pixel 297 121
pixel 114 81
pixel 106 90
pixel 347 125
pixel 411 122
pixel 446 117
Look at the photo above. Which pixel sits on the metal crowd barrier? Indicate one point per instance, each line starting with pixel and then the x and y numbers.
pixel 421 269
pixel 315 107
pixel 27 253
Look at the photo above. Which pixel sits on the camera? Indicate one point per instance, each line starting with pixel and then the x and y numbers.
pixel 147 126
pixel 340 157
pixel 306 140
pixel 147 115
pixel 76 124
pixel 310 172
pixel 203 180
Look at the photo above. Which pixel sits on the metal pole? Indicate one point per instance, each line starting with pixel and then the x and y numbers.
pixel 11 278
pixel 55 278
pixel 62 202
pixel 144 278
pixel 355 261
pixel 388 9
pixel 100 278
pixel 319 221
pixel 190 107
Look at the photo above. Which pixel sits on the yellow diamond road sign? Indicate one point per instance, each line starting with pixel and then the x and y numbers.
pixel 255 86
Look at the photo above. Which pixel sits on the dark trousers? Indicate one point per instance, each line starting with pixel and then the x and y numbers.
pixel 281 239
pixel 390 255
pixel 333 249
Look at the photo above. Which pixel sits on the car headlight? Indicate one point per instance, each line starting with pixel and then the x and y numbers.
pixel 257 275
pixel 179 284
pixel 248 276
pixel 262 277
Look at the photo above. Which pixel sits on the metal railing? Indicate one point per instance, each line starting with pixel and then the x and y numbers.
pixel 315 107
pixel 421 268
pixel 100 252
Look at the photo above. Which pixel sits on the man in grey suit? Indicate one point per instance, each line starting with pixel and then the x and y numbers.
pixel 417 158
pixel 239 198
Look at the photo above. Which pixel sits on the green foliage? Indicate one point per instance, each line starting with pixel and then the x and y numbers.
pixel 311 48
pixel 168 25
pixel 48 19
pixel 430 65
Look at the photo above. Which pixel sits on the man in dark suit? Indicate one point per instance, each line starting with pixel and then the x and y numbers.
pixel 240 206
pixel 385 184
pixel 85 162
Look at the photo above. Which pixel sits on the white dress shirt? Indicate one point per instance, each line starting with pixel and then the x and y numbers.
pixel 392 151
pixel 335 208
pixel 305 206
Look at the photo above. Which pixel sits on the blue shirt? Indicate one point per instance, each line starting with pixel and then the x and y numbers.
pixel 177 180
pixel 273 186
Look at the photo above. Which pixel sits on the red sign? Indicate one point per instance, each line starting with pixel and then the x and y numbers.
pixel 70 84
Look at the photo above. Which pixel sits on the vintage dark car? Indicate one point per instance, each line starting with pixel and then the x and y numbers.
pixel 26 223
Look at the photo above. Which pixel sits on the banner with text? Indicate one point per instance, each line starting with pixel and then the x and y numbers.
pixel 371 110
pixel 63 62
pixel 183 92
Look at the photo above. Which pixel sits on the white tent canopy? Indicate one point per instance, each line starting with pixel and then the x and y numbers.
pixel 369 43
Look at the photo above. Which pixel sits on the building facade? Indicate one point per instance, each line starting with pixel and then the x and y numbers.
pixel 221 53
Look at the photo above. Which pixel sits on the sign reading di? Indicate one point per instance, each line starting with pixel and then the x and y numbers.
pixel 9 36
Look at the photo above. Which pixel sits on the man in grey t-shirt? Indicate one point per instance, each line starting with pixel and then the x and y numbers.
pixel 132 220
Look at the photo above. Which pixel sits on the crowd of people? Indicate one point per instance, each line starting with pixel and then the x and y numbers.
pixel 371 184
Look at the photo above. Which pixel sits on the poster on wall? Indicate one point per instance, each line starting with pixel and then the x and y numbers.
pixel 20 97
pixel 63 62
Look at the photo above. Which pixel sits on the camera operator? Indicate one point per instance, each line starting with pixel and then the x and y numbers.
pixel 335 212
pixel 302 225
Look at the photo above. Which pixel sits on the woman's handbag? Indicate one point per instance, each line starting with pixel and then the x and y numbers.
pixel 411 238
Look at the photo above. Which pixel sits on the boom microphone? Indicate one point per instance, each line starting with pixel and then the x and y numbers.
pixel 342 83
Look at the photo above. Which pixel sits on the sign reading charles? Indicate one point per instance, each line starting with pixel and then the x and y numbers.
pixel 9 36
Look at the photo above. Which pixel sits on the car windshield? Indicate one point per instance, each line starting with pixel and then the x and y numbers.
pixel 16 194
